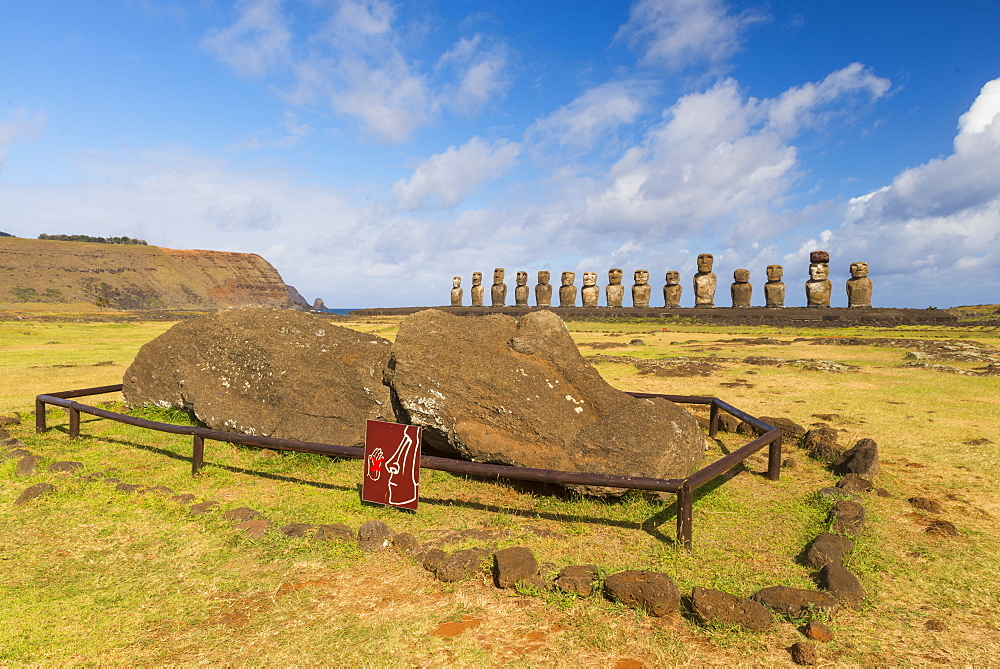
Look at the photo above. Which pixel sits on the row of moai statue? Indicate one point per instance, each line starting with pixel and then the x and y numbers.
pixel 818 287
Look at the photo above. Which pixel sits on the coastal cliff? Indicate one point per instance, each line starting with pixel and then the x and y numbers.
pixel 137 277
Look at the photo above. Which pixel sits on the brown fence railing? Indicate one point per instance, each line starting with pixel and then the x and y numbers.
pixel 683 488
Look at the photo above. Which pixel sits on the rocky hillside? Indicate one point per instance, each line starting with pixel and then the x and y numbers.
pixel 137 277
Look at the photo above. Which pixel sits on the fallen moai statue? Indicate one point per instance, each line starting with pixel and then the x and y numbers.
pixel 489 389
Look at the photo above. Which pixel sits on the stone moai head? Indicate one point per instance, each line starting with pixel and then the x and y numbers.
pixel 522 278
pixel 641 277
pixel 477 278
pixel 498 275
pixel 775 272
pixel 819 271
pixel 741 276
pixel 590 278
pixel 673 278
pixel 568 278
pixel 859 270
pixel 456 282
pixel 543 278
pixel 705 262
pixel 614 277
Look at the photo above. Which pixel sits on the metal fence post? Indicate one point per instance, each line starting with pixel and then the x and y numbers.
pixel 685 500
pixel 197 454
pixel 713 420
pixel 74 422
pixel 774 459
pixel 39 417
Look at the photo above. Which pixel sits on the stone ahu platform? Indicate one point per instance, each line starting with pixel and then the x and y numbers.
pixel 787 316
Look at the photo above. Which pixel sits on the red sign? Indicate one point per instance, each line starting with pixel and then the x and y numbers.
pixel 392 464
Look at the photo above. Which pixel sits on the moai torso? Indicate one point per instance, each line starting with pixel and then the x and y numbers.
pixel 567 291
pixel 641 289
pixel 590 293
pixel 456 291
pixel 477 289
pixel 543 290
pixel 859 287
pixel 498 291
pixel 672 290
pixel 614 292
pixel 521 290
pixel 774 289
pixel 741 290
pixel 705 282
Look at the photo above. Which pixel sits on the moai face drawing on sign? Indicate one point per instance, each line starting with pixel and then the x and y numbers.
pixel 543 290
pixel 590 292
pixel 456 291
pixel 672 290
pixel 521 290
pixel 614 291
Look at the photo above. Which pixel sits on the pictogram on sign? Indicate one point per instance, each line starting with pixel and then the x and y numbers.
pixel 392 464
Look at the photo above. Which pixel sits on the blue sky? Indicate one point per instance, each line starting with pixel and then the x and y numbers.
pixel 371 150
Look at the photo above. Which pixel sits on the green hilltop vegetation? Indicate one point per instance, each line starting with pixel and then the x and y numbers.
pixel 88 238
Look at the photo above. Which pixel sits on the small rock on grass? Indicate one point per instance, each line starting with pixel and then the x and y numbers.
pixel 854 483
pixel 926 504
pixel 714 607
pixel 33 492
pixel 847 518
pixel 578 579
pixel 942 528
pixel 201 508
pixel 335 531
pixel 10 419
pixel 405 543
pixel 27 465
pixel 128 487
pixel 796 602
pixel 183 498
pixel 514 564
pixel 296 530
pixel 374 536
pixel 254 528
pixel 842 584
pixel 16 453
pixel 862 458
pixel 803 653
pixel 651 591
pixel 240 514
pixel 65 466
pixel 818 631
pixel 156 490
pixel 827 548
pixel 462 565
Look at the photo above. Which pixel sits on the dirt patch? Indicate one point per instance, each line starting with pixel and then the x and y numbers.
pixel 453 628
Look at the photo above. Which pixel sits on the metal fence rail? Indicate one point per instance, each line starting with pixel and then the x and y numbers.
pixel 683 488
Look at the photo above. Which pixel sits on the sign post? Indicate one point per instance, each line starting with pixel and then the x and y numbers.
pixel 392 464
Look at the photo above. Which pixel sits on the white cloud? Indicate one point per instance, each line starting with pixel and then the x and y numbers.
pixel 256 43
pixel 798 106
pixel 678 33
pixel 443 180
pixel 357 64
pixel 939 223
pixel 20 126
pixel 591 116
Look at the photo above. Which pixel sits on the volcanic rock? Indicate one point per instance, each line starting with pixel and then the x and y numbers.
pixel 796 601
pixel 828 549
pixel 494 389
pixel 268 372
pixel 842 584
pixel 514 564
pixel 577 578
pixel 651 591
pixel 862 459
pixel 847 518
pixel 374 536
pixel 714 607
pixel 33 492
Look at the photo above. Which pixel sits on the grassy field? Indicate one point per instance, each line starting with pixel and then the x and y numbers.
pixel 98 576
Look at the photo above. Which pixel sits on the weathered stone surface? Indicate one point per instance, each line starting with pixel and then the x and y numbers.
pixel 828 549
pixel 240 514
pixel 842 584
pixel 202 508
pixel 267 372
pixel 833 492
pixel 926 504
pixel 577 578
pixel 821 442
pixel 16 453
pixel 27 465
pixel 796 601
pixel 128 487
pixel 650 591
pixel 942 528
pixel 714 607
pixel 33 492
pixel 296 530
pixel 854 483
pixel 10 419
pixel 520 393
pixel 374 536
pixel 803 653
pixel 335 532
pixel 156 490
pixel 848 518
pixel 405 543
pixel 183 498
pixel 861 459
pixel 65 466
pixel 817 631
pixel 728 423
pixel 254 528
pixel 460 565
pixel 433 559
pixel 514 564
pixel 791 432
pixel 4 434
